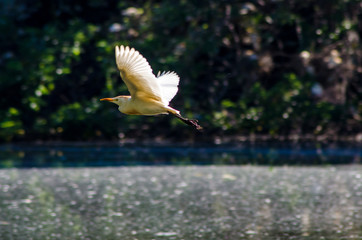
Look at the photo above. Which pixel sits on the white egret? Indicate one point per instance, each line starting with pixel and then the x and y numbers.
pixel 150 95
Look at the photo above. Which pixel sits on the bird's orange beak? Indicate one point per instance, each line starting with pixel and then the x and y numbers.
pixel 107 99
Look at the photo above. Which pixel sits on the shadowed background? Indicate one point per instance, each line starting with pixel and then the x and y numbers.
pixel 275 68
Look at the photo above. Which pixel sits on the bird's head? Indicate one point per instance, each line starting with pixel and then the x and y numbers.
pixel 119 100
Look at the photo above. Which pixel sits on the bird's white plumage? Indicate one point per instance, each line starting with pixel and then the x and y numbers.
pixel 137 75
pixel 149 95
pixel 169 85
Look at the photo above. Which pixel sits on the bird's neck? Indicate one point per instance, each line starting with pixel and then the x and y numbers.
pixel 125 105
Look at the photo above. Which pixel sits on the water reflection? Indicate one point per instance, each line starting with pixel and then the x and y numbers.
pixel 130 155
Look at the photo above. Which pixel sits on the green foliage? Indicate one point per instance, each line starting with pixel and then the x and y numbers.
pixel 277 68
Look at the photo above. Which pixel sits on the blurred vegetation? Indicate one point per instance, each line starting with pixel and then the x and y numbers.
pixel 247 67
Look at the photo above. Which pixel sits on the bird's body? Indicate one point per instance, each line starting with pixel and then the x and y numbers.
pixel 143 106
pixel 150 95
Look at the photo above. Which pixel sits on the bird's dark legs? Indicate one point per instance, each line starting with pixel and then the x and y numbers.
pixel 190 122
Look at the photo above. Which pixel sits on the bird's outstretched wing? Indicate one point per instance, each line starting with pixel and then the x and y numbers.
pixel 168 82
pixel 136 72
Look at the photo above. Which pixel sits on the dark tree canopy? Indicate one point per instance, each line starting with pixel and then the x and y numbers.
pixel 276 68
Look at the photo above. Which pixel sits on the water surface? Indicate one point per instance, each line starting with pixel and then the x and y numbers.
pixel 81 155
pixel 192 202
pixel 243 191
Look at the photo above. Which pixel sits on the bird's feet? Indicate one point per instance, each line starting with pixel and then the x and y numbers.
pixel 191 122
pixel 194 123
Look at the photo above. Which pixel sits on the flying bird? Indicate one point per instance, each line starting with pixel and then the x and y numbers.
pixel 150 94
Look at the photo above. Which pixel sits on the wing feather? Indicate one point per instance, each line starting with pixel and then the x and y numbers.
pixel 169 85
pixel 137 73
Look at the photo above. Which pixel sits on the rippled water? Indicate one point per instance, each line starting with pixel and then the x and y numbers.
pixel 194 202
pixel 180 192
